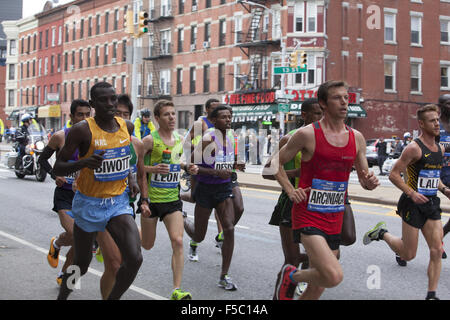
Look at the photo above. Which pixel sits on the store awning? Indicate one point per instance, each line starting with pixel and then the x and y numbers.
pixel 52 111
pixel 14 115
pixel 356 111
pixel 32 111
pixel 249 113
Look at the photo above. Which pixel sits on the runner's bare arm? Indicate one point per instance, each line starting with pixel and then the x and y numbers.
pixel 141 176
pixel 295 144
pixel 290 173
pixel 79 137
pixel 367 179
pixel 410 154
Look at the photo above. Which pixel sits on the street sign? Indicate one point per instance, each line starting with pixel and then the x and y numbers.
pixel 283 107
pixel 284 70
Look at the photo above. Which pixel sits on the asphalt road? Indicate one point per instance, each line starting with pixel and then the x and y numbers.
pixel 370 272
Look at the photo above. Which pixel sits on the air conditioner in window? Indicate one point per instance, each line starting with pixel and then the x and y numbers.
pixel 194 7
pixel 72 67
pixel 113 60
pixel 205 44
pixel 193 47
pixel 169 13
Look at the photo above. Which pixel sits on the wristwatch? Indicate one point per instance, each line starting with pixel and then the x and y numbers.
pixel 146 200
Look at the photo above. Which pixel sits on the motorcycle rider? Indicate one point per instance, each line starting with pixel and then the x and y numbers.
pixel 22 135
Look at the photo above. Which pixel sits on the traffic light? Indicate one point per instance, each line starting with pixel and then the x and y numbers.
pixel 293 59
pixel 303 59
pixel 129 25
pixel 142 23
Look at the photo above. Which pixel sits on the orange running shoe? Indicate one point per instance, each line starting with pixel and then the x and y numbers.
pixel 53 254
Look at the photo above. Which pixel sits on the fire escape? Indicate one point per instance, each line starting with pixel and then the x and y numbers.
pixel 160 49
pixel 255 44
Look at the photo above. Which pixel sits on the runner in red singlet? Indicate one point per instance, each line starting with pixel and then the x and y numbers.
pixel 329 151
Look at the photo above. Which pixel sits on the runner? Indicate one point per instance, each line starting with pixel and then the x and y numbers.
pixel 63 195
pixel 101 202
pixel 163 190
pixel 444 106
pixel 214 189
pixel 329 150
pixel 419 205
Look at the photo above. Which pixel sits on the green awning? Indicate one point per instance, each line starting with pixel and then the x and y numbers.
pixel 14 115
pixel 356 111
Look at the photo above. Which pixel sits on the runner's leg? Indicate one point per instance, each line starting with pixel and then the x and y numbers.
pixel 124 231
pixel 432 231
pixel 174 226
pixel 405 247
pixel 226 216
pixel 112 261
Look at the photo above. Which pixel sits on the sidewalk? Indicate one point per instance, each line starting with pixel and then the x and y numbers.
pixel 387 195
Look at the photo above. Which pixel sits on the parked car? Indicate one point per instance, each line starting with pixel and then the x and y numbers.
pixel 371 150
pixel 388 165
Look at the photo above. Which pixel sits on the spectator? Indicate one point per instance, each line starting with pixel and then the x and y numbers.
pixel 382 154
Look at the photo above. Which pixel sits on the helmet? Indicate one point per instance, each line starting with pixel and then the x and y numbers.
pixel 145 113
pixel 25 117
pixel 407 135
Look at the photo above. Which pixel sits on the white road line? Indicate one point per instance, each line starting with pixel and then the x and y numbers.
pixel 90 270
pixel 215 221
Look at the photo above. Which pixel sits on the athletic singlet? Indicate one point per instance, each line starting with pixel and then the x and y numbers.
pixel 327 174
pixel 110 179
pixel 224 159
pixel 197 139
pixel 163 189
pixel 70 178
pixel 445 141
pixel 424 175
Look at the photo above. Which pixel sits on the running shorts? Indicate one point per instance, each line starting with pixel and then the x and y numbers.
pixel 62 199
pixel 333 240
pixel 160 210
pixel 282 213
pixel 210 195
pixel 417 214
pixel 93 214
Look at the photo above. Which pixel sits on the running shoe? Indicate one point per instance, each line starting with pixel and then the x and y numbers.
pixel 53 254
pixel 375 233
pixel 59 278
pixel 300 288
pixel 99 255
pixel 219 240
pixel 286 287
pixel 227 283
pixel 193 255
pixel 400 261
pixel 444 255
pixel 179 294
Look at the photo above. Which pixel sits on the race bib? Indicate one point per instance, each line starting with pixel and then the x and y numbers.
pixel 327 196
pixel 70 178
pixel 224 162
pixel 171 180
pixel 428 182
pixel 115 166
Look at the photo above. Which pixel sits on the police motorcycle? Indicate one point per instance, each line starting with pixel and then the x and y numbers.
pixel 29 164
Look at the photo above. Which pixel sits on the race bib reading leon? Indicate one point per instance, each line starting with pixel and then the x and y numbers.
pixel 170 180
pixel 327 196
pixel 115 166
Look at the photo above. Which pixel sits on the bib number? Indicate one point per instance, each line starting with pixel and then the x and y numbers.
pixel 327 196
pixel 428 182
pixel 169 181
pixel 115 166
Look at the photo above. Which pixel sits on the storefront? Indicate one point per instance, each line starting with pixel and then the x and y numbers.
pixel 50 116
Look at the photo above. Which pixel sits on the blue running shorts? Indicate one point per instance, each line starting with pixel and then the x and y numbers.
pixel 93 214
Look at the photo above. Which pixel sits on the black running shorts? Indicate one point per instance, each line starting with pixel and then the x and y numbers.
pixel 160 210
pixel 282 213
pixel 62 199
pixel 417 214
pixel 333 240
pixel 210 195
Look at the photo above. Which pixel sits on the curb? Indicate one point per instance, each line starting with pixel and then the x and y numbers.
pixel 352 197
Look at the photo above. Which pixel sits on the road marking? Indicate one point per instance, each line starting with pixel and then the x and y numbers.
pixel 90 270
pixel 215 221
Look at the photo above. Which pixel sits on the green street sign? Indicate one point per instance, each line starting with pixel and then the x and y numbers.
pixel 284 70
pixel 283 107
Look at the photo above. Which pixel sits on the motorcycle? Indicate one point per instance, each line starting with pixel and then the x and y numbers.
pixel 29 164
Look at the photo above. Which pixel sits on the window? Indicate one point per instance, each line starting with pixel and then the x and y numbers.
pixel 312 13
pixel 237 75
pixel 206 78
pixel 183 119
pixel 32 96
pixel 192 80
pixel 88 87
pixel 66 62
pixel 139 84
pixel 90 26
pixel 74 31
pixel 221 84
pixel 97 55
pixel 105 54
pixel 40 40
pixel 106 22
pixel 416 27
pixel 445 31
pixel 389 75
pixel 12 47
pixel 88 57
pixel 34 42
pixel 180 39
pixel 150 84
pixel 116 19
pixel 416 69
pixel 179 81
pixel 222 32
pixel 52 64
pixel 58 62
pixel 444 78
pixel 311 63
pixel 81 28
pixel 10 98
pixel 46 38
pixel 389 28
pixel 80 89
pixel 238 29
pixel 208 4
pixel 66 34
pixel 166 40
pixel 276 24
pixel 194 5
pixel 114 54
pixel 80 58
pixel 34 68
pixel 124 50
pixel 11 72
pixel 181 6
pixel 73 60
pixel 97 27
pixel 265 68
pixel 207 32
pixel 165 81
pixel 53 36
pixel 46 66
pixel 40 67
pixel 65 92
pixel 72 91
pixel 60 35
pixel 193 37
pixel 124 84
